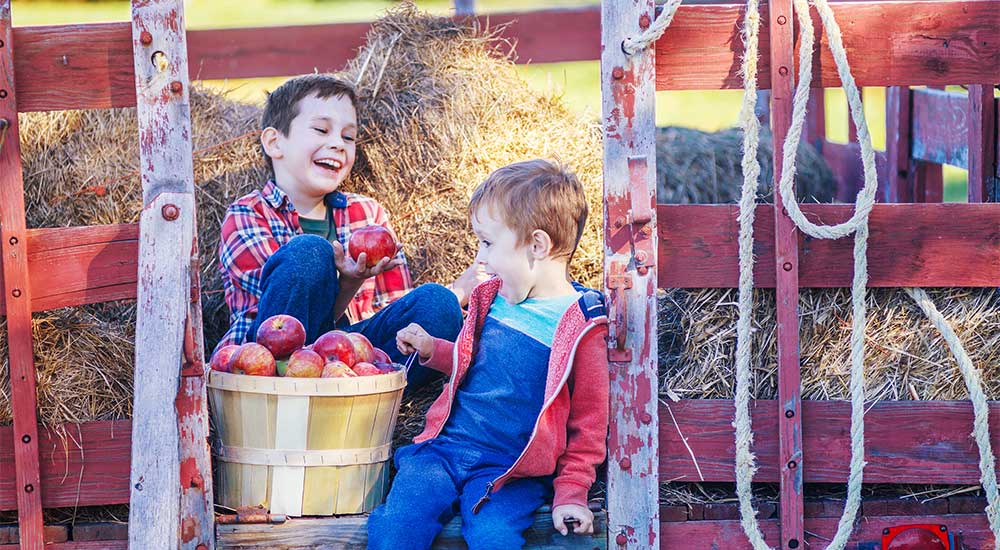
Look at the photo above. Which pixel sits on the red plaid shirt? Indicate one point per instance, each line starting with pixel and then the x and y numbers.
pixel 257 224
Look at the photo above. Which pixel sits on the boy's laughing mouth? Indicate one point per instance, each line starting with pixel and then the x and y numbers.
pixel 332 165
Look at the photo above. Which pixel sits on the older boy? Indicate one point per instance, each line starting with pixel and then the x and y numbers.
pixel 282 247
pixel 528 395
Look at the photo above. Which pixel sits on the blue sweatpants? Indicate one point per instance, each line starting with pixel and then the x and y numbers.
pixel 300 279
pixel 434 479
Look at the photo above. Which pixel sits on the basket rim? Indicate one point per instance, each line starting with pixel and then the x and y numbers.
pixel 327 387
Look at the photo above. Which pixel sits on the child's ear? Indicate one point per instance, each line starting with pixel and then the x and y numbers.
pixel 269 139
pixel 541 244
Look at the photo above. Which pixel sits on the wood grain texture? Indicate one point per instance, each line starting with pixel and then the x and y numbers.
pixel 924 245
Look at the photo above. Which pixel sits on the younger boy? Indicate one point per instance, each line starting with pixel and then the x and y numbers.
pixel 282 247
pixel 528 395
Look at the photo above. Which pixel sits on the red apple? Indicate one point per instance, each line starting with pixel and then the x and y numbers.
pixel 363 349
pixel 366 369
pixel 223 359
pixel 335 346
pixel 338 369
pixel 385 368
pixel 281 334
pixel 375 241
pixel 254 359
pixel 379 356
pixel 304 363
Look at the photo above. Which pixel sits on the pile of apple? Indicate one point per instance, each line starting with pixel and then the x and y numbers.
pixel 280 351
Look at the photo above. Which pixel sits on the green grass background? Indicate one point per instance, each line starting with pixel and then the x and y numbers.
pixel 577 82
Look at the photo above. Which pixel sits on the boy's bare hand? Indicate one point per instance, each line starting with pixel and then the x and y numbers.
pixel 580 517
pixel 352 269
pixel 463 285
pixel 413 338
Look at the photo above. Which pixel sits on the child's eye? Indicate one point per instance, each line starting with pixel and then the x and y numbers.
pixel 485 243
pixel 321 130
pixel 349 138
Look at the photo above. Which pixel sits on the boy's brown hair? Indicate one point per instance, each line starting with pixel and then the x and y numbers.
pixel 283 103
pixel 536 194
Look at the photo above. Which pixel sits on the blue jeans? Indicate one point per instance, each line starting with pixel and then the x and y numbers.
pixel 300 279
pixel 436 477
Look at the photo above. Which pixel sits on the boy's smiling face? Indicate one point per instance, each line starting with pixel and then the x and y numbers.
pixel 317 154
pixel 503 255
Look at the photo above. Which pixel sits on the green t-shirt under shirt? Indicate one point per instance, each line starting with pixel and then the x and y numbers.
pixel 323 228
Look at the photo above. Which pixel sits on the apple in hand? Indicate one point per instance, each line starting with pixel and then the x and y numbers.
pixel 365 369
pixel 363 349
pixel 254 359
pixel 375 241
pixel 281 334
pixel 222 361
pixel 304 363
pixel 335 346
pixel 338 369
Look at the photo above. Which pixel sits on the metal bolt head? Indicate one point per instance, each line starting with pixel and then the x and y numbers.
pixel 626 463
pixel 13 241
pixel 3 94
pixel 789 413
pixel 783 71
pixel 642 269
pixel 29 488
pixel 792 465
pixel 176 87
pixel 782 20
pixel 26 438
pixel 16 293
pixel 197 481
pixel 646 418
pixel 644 21
pixel 787 266
pixel 617 73
pixel 170 212
pixel 621 539
pixel 145 38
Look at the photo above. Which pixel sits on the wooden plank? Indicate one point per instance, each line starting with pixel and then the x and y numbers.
pixel 709 535
pixel 106 531
pixel 75 545
pixel 628 102
pixel 786 269
pixel 73 266
pixel 910 245
pixel 17 291
pixel 349 533
pixel 81 465
pixel 888 43
pixel 923 442
pixel 982 140
pixel 940 127
pixel 844 160
pixel 895 187
pixel 167 226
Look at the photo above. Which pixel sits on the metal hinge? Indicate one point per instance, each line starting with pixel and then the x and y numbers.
pixel 619 280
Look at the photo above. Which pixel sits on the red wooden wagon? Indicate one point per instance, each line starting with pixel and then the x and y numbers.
pixel 159 461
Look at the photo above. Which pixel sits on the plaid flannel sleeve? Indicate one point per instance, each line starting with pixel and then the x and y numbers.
pixel 245 245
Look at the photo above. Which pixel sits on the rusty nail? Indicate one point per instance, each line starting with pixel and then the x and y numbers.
pixel 13 241
pixel 170 212
pixel 783 71
pixel 145 38
pixel 619 221
pixel 26 438
pixel 792 465
pixel 626 463
pixel 176 87
pixel 29 488
pixel 644 21
pixel 617 73
pixel 621 539
pixel 16 293
pixel 789 413
pixel 197 481
pixel 646 418
pixel 3 94
pixel 787 266
pixel 782 20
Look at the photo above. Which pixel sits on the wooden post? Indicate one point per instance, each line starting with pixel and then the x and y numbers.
pixel 165 421
pixel 983 183
pixel 18 301
pixel 465 7
pixel 897 145
pixel 628 93
pixel 787 283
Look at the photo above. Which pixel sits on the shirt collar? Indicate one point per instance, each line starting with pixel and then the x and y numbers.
pixel 277 198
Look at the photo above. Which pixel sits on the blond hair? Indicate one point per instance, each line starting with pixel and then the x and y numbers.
pixel 536 194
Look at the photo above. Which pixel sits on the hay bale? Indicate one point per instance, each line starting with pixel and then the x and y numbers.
pixel 696 167
pixel 906 358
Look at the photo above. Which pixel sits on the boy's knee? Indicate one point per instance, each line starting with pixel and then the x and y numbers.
pixel 305 258
pixel 443 309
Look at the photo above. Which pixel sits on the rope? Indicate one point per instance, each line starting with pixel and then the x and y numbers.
pixel 646 38
pixel 857 224
pixel 981 426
